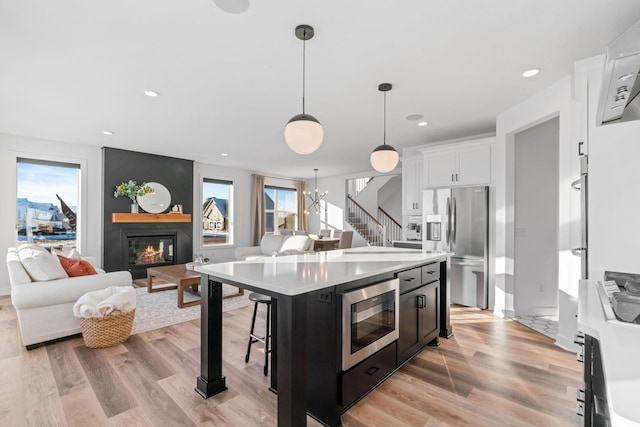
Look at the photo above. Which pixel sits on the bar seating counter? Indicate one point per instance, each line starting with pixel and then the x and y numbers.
pixel 305 291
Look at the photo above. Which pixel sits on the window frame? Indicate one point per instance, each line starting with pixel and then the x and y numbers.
pixel 276 210
pixel 58 161
pixel 229 218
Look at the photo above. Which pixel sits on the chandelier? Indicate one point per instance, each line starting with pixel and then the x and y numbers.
pixel 315 197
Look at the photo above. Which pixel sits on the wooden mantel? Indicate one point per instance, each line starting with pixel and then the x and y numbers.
pixel 147 217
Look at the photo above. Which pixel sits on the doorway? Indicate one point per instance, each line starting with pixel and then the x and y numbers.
pixel 536 182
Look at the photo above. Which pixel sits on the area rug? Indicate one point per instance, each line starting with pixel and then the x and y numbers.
pixel 159 309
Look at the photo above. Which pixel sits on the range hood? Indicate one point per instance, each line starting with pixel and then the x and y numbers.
pixel 620 85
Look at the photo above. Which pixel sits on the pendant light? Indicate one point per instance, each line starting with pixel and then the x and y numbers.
pixel 384 158
pixel 316 199
pixel 303 133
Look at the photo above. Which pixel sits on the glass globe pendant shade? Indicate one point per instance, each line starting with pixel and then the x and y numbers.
pixel 384 158
pixel 303 133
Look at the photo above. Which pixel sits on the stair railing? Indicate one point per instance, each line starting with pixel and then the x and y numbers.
pixel 364 223
pixel 393 230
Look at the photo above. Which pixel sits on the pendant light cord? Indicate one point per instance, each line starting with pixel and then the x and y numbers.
pixel 384 133
pixel 304 68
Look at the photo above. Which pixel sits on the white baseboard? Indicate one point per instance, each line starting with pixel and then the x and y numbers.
pixel 566 344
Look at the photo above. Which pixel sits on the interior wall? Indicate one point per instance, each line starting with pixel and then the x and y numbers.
pixel 536 220
pixel 614 198
pixel 175 174
pixel 554 101
pixel 390 198
pixel 90 202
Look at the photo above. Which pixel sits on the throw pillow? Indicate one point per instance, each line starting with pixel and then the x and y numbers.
pixel 73 254
pixel 39 264
pixel 76 267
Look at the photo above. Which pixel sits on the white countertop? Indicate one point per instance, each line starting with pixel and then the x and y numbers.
pixel 299 274
pixel 620 347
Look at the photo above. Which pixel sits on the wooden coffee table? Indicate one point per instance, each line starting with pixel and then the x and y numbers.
pixel 182 277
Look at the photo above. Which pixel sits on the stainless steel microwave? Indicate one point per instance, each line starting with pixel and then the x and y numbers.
pixel 369 321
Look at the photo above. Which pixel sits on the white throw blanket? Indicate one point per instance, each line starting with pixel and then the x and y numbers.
pixel 105 301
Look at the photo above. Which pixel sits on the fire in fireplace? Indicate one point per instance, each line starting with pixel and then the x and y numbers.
pixel 151 251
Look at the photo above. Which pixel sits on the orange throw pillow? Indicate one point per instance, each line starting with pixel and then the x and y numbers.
pixel 76 267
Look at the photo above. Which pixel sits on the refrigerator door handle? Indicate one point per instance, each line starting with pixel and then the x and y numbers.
pixel 448 237
pixel 455 222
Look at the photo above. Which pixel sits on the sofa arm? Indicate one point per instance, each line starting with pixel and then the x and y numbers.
pixel 61 291
pixel 244 252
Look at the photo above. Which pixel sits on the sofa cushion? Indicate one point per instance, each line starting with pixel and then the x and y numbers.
pixel 40 264
pixel 76 267
pixel 270 243
pixel 295 243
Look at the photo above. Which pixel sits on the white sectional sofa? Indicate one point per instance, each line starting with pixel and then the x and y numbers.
pixel 45 307
pixel 275 244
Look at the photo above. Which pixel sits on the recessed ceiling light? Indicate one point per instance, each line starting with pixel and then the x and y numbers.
pixel 530 73
pixel 422 123
pixel 107 132
pixel 224 154
pixel 151 93
pixel 415 117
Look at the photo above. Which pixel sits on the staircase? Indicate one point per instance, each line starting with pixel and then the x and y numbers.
pixel 364 223
pixel 392 229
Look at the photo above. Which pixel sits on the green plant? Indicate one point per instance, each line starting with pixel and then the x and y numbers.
pixel 132 190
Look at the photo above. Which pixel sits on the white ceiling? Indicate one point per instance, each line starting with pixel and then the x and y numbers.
pixel 229 82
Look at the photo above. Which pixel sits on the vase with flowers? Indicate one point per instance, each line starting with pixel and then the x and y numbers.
pixel 132 190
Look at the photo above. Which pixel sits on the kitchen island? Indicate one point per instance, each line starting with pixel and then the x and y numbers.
pixel 306 291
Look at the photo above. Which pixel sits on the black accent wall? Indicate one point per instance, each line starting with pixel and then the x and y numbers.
pixel 175 174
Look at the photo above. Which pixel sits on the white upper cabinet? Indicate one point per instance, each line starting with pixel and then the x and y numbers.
pixel 412 185
pixel 460 164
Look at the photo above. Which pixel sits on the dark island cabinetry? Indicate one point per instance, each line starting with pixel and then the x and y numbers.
pixel 419 310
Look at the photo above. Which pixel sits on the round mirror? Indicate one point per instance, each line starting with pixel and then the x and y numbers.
pixel 157 202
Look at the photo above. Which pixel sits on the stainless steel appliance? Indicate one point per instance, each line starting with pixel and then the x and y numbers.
pixel 456 220
pixel 619 100
pixel 369 321
pixel 414 231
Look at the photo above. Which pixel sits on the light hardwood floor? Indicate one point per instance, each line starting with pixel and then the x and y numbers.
pixel 493 372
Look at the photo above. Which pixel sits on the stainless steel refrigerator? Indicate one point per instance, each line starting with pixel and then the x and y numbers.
pixel 456 220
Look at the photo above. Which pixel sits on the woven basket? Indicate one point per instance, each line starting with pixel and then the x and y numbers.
pixel 100 332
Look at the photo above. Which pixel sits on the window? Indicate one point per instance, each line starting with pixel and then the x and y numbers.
pixel 216 212
pixel 47 205
pixel 280 209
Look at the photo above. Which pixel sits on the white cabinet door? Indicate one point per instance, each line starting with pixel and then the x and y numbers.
pixel 463 165
pixel 412 185
pixel 440 168
pixel 473 165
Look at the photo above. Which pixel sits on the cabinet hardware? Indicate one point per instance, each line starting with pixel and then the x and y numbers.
pixel 372 370
pixel 580 395
pixel 452 177
pixel 580 144
pixel 580 409
pixel 457 179
pixel 580 358
pixel 422 301
pixel 410 279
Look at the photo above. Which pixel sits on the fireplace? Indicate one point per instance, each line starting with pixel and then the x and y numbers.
pixel 149 250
